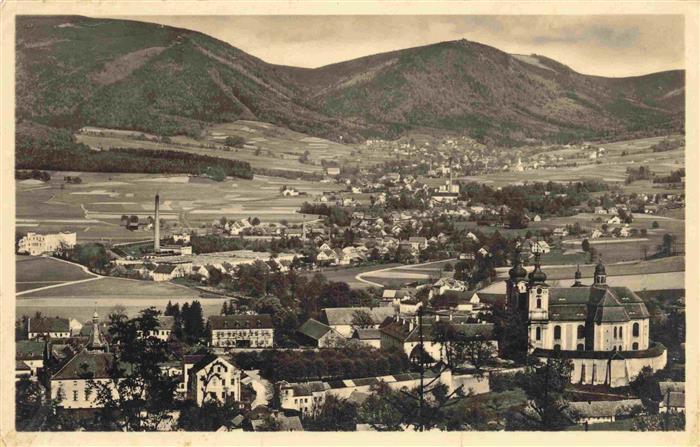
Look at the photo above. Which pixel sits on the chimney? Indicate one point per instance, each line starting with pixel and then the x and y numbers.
pixel 156 226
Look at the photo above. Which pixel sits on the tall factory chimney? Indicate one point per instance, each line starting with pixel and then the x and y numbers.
pixel 156 226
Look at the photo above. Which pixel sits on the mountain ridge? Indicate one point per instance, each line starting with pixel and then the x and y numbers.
pixel 74 71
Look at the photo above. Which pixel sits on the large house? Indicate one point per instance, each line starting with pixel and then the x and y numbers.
pixel 602 329
pixel 214 378
pixel 44 327
pixel 242 331
pixel 72 385
pixel 36 244
pixel 342 319
pixel 405 334
pixel 29 357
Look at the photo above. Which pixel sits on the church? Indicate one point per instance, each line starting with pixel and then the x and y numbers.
pixel 602 329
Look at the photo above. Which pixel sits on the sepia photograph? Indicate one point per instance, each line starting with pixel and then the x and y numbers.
pixel 348 223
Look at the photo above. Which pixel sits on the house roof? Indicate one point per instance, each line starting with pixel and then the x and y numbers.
pixel 165 269
pixel 21 366
pixel 45 325
pixel 604 408
pixel 367 334
pixel 207 360
pixel 29 350
pixel 339 316
pixel 86 364
pixel 287 423
pixel 314 329
pixel 261 321
pixel 166 322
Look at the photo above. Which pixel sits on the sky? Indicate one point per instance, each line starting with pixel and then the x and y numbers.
pixel 599 45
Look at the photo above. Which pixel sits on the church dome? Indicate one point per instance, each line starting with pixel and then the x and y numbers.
pixel 600 269
pixel 517 272
pixel 537 275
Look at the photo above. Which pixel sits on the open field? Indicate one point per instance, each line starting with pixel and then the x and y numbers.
pixel 114 288
pixel 33 269
pixel 266 146
pixel 94 207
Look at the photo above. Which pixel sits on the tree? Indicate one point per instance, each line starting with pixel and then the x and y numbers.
pixel 334 415
pixel 234 141
pixel 29 397
pixel 671 421
pixel 192 322
pixel 646 387
pixel 138 396
pixel 362 319
pixel 478 352
pixel 545 386
pixel 209 417
pixel 654 225
pixel 585 245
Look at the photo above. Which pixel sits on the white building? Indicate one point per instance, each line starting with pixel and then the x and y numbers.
pixel 36 244
pixel 242 331
pixel 45 327
pixel 214 378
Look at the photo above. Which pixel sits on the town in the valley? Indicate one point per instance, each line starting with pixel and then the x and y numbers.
pixel 423 281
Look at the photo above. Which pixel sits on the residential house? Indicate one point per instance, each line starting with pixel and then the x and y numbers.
pixel 30 356
pixel 242 331
pixel 368 336
pixel 45 327
pixel 214 378
pixel 672 397
pixel 596 412
pixel 35 244
pixel 321 335
pixel 341 318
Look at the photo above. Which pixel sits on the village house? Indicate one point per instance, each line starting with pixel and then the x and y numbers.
pixel 672 397
pixel 320 335
pixel 370 337
pixel 214 378
pixel 242 331
pixel 596 412
pixel 404 333
pixel 30 356
pixel 341 318
pixel 45 327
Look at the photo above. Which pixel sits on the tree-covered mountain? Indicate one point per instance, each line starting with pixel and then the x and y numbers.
pixel 75 71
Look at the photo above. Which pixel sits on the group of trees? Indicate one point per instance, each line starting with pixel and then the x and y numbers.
pixel 33 174
pixel 91 255
pixel 325 364
pixel 212 243
pixel 189 321
pixel 60 151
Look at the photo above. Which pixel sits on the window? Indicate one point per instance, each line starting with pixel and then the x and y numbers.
pixel 635 330
pixel 557 347
pixel 619 333
pixel 539 290
pixel 615 332
pixel 539 303
pixel 580 331
pixel 635 346
pixel 557 332
pixel 75 395
pixel 579 347
pixel 538 334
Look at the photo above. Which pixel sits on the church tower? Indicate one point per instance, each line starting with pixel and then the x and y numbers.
pixel 538 305
pixel 516 286
pixel 577 277
pixel 96 343
pixel 599 275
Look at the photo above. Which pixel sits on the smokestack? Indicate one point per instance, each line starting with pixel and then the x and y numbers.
pixel 156 226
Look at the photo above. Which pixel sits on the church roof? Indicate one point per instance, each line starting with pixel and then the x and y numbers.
pixel 609 304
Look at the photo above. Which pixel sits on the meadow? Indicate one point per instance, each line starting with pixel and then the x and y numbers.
pixel 93 208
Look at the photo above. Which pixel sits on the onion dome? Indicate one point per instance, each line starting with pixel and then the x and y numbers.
pixel 517 272
pixel 537 275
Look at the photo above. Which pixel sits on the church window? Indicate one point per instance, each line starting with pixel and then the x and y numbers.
pixel 583 373
pixel 635 330
pixel 539 303
pixel 579 347
pixel 615 332
pixel 538 334
pixel 557 347
pixel 635 346
pixel 619 332
pixel 557 332
pixel 539 290
pixel 580 331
